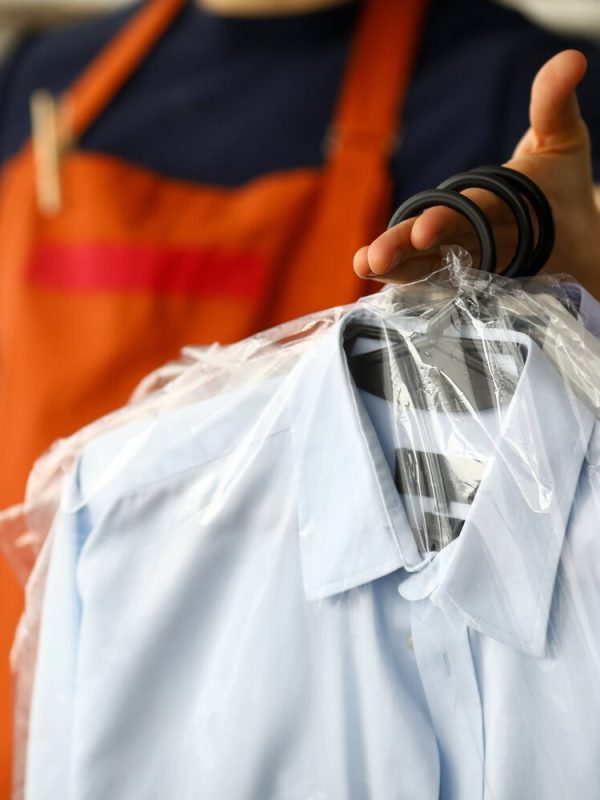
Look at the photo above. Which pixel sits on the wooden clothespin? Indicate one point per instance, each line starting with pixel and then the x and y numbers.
pixel 47 149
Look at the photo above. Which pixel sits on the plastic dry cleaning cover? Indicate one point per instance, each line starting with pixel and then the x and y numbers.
pixel 356 556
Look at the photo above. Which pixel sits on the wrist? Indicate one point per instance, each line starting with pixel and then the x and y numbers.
pixel 586 264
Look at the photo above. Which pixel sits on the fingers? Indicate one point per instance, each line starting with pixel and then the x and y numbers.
pixel 361 263
pixel 440 225
pixel 412 238
pixel 411 268
pixel 383 252
pixel 416 264
pixel 554 109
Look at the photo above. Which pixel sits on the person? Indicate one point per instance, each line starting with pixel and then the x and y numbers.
pixel 212 167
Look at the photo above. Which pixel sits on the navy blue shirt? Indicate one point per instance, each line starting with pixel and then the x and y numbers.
pixel 223 100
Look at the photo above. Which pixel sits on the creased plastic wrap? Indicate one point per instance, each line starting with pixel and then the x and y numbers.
pixel 356 556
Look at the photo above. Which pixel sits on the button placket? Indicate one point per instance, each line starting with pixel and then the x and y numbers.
pixel 446 668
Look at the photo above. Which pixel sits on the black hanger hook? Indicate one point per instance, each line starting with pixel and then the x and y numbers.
pixel 505 191
pixel 463 205
pixel 542 209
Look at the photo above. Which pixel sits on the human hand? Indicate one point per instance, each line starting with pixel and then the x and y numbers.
pixel 555 153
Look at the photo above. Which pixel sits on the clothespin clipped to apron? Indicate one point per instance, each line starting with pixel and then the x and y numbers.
pixel 50 141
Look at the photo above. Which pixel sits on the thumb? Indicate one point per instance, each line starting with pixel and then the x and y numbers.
pixel 554 110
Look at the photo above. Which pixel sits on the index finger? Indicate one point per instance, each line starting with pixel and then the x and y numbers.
pixel 438 225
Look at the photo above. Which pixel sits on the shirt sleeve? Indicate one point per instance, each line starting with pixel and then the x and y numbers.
pixel 53 700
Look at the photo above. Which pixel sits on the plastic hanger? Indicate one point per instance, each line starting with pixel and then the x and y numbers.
pixel 513 199
pixel 540 206
pixel 459 361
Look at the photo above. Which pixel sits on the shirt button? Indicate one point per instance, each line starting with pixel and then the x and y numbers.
pixel 409 644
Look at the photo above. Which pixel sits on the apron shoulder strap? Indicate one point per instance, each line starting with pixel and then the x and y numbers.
pixel 91 93
pixel 380 67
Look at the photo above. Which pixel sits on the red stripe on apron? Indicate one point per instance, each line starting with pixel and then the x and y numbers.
pixel 91 267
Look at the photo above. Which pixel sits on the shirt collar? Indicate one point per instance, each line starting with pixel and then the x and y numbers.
pixel 499 575
pixel 353 528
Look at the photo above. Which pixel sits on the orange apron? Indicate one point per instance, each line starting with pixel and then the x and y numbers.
pixel 134 265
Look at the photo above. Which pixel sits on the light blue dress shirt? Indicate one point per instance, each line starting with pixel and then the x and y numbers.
pixel 236 608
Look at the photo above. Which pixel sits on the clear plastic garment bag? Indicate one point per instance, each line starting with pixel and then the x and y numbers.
pixel 353 557
pixel 356 556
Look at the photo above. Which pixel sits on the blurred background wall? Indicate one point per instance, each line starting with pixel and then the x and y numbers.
pixel 17 16
pixel 569 16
